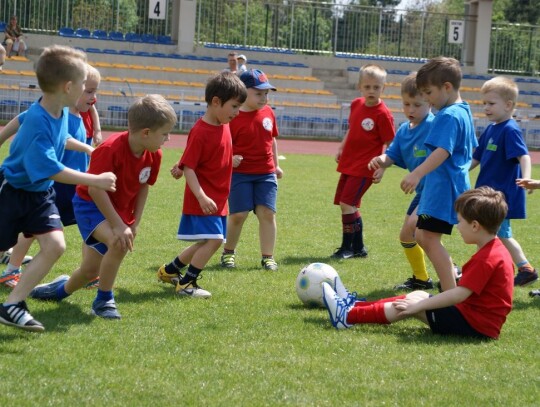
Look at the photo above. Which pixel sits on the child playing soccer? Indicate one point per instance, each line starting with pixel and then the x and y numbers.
pixel 476 308
pixel 450 145
pixel 503 157
pixel 108 222
pixel 255 170
pixel 27 174
pixel 408 151
pixel 207 167
pixel 371 129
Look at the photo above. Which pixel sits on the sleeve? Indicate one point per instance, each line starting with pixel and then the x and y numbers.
pixel 386 126
pixel 394 150
pixel 102 160
pixel 192 153
pixel 48 165
pixel 476 274
pixel 446 125
pixel 479 151
pixel 514 144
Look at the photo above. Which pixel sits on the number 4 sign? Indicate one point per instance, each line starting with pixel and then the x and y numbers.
pixel 157 9
pixel 456 31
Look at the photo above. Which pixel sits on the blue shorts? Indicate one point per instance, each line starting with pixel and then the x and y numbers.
pixel 449 321
pixel 32 213
pixel 249 190
pixel 505 231
pixel 64 202
pixel 200 227
pixel 88 219
pixel 413 204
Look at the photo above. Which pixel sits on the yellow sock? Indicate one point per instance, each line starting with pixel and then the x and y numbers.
pixel 415 255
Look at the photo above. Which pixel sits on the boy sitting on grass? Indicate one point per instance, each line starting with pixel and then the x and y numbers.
pixel 476 308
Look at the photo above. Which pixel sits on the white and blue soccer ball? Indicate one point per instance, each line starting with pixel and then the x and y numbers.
pixel 309 283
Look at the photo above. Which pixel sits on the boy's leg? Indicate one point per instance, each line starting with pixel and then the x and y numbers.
pixel 526 272
pixel 348 221
pixel 11 275
pixel 267 236
pixel 431 242
pixel 235 222
pixel 88 270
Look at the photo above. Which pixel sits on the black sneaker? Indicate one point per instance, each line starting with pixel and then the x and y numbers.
pixel 535 293
pixel 414 283
pixel 341 253
pixel 362 253
pixel 524 278
pixel 17 315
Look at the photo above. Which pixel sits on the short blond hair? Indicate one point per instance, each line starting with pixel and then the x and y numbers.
pixel 504 86
pixel 374 71
pixel 57 65
pixel 93 74
pixel 150 112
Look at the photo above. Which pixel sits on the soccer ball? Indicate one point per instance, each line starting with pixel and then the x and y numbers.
pixel 309 280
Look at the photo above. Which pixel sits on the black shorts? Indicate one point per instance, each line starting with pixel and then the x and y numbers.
pixel 449 321
pixel 64 202
pixel 431 224
pixel 32 213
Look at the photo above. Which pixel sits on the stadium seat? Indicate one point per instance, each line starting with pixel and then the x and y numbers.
pixel 82 33
pixel 126 52
pixel 149 39
pixel 2 26
pixel 165 39
pixel 66 32
pixel 116 36
pixel 143 54
pixel 93 50
pixel 133 37
pixel 100 35
pixel 110 51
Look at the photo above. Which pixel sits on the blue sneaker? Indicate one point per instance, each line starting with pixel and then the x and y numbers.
pixel 349 297
pixel 105 309
pixel 47 292
pixel 336 306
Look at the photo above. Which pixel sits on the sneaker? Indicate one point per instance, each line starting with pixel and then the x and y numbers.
pixel 17 315
pixel 336 306
pixel 341 253
pixel 191 289
pixel 350 298
pixel 7 256
pixel 227 260
pixel 535 293
pixel 524 278
pixel 105 309
pixel 268 263
pixel 10 279
pixel 414 283
pixel 362 253
pixel 47 292
pixel 92 284
pixel 165 277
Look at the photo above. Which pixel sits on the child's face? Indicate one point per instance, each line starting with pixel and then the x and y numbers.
pixel 154 139
pixel 497 110
pixel 88 97
pixel 256 99
pixel 371 89
pixel 415 108
pixel 226 112
pixel 467 230
pixel 435 96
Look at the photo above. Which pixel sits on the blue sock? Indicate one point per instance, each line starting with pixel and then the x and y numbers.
pixel 61 292
pixel 104 295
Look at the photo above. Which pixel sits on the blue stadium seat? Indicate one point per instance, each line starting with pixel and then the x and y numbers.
pixel 126 52
pixel 2 26
pixel 110 51
pixel 116 36
pixel 82 32
pixel 93 50
pixel 143 54
pixel 159 55
pixel 66 32
pixel 149 39
pixel 165 39
pixel 133 37
pixel 100 35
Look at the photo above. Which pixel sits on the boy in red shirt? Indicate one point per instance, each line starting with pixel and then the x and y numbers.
pixel 477 307
pixel 371 129
pixel 255 170
pixel 207 166
pixel 108 221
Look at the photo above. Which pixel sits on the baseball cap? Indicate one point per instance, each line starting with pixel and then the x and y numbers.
pixel 242 56
pixel 255 78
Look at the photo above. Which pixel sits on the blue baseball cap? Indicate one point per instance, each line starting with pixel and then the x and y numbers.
pixel 257 79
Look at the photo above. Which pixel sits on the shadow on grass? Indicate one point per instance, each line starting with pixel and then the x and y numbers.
pixel 531 302
pixel 62 316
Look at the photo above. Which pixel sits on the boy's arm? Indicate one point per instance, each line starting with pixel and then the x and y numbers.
pixel 525 165
pixel 9 130
pixel 105 181
pixel 76 145
pixel 528 183
pixel 279 171
pixel 435 159
pixel 97 125
pixel 207 205
pixel 445 299
pixel 381 161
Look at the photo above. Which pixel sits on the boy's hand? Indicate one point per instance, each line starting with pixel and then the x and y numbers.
pixel 236 160
pixel 378 174
pixel 106 181
pixel 279 172
pixel 98 138
pixel 406 306
pixel 338 154
pixel 528 183
pixel 375 164
pixel 123 236
pixel 176 172
pixel 409 183
pixel 208 206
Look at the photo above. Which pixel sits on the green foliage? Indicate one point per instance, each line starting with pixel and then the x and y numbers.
pixel 253 343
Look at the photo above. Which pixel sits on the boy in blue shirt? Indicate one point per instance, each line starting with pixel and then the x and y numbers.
pixel 33 164
pixel 408 151
pixel 503 158
pixel 450 143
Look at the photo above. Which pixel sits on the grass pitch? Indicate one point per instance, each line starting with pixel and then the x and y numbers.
pixel 253 343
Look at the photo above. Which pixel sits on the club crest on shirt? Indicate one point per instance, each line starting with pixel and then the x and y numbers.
pixel 267 124
pixel 144 175
pixel 368 124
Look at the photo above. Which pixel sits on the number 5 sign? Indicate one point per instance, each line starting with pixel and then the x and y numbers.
pixel 157 9
pixel 456 31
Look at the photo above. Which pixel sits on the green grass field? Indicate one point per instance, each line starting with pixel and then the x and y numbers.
pixel 253 343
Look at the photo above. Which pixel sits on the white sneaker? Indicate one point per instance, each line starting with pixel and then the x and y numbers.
pixel 7 257
pixel 191 289
pixel 343 293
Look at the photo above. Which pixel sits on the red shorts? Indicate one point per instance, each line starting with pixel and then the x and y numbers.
pixel 350 189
